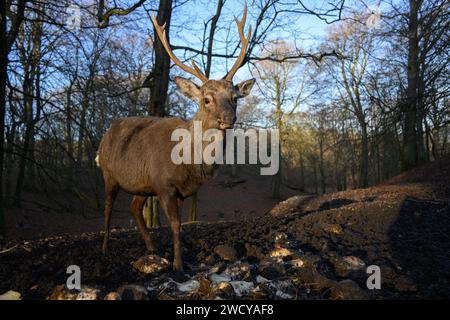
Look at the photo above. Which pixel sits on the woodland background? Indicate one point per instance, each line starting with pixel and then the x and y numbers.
pixel 360 101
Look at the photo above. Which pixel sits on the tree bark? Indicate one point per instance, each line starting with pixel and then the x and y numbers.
pixel 3 75
pixel 410 157
pixel 161 67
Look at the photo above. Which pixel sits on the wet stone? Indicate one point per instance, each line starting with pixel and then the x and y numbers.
pixel 10 295
pixel 151 264
pixel 343 266
pixel 112 296
pixel 271 269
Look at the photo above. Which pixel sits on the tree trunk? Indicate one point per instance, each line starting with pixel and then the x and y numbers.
pixel 364 162
pixel 410 136
pixel 161 67
pixel 3 76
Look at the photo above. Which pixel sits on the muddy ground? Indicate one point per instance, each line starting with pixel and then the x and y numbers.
pixel 306 248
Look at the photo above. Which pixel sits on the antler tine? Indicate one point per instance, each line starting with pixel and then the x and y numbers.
pixel 244 41
pixel 161 31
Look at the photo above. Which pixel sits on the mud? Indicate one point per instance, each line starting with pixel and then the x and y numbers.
pixel 402 227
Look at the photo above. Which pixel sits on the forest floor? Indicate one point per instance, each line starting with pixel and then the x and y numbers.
pixel 305 248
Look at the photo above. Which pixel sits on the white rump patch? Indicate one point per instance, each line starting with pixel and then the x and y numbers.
pixel 96 160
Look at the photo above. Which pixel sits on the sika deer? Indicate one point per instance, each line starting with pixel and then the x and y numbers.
pixel 135 153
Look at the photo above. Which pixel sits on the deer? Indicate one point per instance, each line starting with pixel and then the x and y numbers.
pixel 135 153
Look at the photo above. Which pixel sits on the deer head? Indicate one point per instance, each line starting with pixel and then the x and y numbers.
pixel 217 99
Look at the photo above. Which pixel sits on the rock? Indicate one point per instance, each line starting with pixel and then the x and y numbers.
pixel 88 294
pixel 313 279
pixel 281 253
pixel 242 288
pixel 271 269
pixel 188 286
pixel 354 263
pixel 205 286
pixel 296 263
pixel 62 293
pixel 11 295
pixel 238 271
pixel 404 284
pixel 151 264
pixel 132 292
pixel 343 266
pixel 261 279
pixel 254 251
pixel 348 290
pixel 218 268
pixel 112 296
pixel 333 228
pixel 217 278
pixel 281 239
pixel 210 259
pixel 224 290
pixel 226 252
pixel 283 289
pixel 288 206
pixel 261 292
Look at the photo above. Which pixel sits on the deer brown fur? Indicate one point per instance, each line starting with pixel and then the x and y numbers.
pixel 135 153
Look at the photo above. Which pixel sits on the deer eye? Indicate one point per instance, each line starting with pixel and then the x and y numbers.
pixel 207 100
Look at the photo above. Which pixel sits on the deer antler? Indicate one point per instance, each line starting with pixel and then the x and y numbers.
pixel 245 41
pixel 161 31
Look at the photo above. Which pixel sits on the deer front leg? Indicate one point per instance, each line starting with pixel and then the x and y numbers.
pixel 170 205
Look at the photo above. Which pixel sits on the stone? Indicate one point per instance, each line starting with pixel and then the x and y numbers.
pixel 132 292
pixel 210 259
pixel 271 269
pixel 226 252
pixel 261 292
pixel 238 271
pixel 281 253
pixel 287 206
pixel 188 286
pixel 242 288
pixel 217 278
pixel 224 290
pixel 205 286
pixel 112 296
pixel 62 293
pixel 254 251
pixel 296 263
pixel 314 279
pixel 283 289
pixel 11 295
pixel 151 264
pixel 348 290
pixel 343 266
pixel 88 294
pixel 281 238
pixel 218 268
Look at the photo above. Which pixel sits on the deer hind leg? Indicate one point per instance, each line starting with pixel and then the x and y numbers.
pixel 136 209
pixel 110 196
pixel 171 205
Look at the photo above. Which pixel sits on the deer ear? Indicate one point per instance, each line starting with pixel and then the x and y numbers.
pixel 188 88
pixel 244 87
